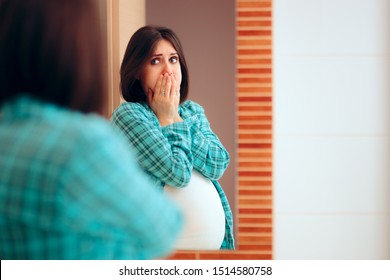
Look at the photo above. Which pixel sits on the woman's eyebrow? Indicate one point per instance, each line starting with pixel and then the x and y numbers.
pixel 160 54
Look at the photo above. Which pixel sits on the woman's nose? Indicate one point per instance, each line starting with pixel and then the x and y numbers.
pixel 167 68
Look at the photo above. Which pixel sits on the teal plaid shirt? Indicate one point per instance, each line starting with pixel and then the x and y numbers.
pixel 70 188
pixel 168 154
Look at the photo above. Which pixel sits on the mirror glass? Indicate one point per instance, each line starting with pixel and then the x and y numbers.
pixel 228 46
pixel 209 46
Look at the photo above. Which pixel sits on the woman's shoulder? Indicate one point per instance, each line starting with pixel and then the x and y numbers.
pixel 192 107
pixel 130 111
pixel 126 107
pixel 89 128
pixel 69 134
pixel 89 138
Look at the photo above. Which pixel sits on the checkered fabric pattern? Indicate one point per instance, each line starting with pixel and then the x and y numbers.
pixel 70 188
pixel 168 154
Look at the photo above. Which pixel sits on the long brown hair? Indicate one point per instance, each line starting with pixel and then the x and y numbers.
pixel 138 51
pixel 52 50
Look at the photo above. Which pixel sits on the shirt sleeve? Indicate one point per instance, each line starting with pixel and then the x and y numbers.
pixel 107 196
pixel 209 155
pixel 164 152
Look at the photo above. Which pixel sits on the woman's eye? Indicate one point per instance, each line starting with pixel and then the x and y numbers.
pixel 155 61
pixel 174 59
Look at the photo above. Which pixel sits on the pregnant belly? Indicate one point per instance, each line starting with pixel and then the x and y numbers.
pixel 204 218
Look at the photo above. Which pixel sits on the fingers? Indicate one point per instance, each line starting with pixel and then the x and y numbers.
pixel 164 101
pixel 175 87
pixel 163 86
pixel 166 87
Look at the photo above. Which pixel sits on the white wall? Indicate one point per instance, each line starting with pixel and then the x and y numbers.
pixel 332 129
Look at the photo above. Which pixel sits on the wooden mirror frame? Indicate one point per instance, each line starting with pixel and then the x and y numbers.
pixel 254 148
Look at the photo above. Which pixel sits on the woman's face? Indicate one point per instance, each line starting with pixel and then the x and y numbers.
pixel 164 59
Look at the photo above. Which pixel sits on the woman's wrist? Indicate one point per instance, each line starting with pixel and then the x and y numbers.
pixel 178 119
pixel 165 122
pixel 168 121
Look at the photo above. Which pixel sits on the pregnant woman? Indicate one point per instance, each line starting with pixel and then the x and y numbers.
pixel 172 136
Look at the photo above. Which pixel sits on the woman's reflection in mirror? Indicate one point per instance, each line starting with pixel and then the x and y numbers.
pixel 172 137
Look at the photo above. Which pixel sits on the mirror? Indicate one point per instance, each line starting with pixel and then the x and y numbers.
pixel 237 97
pixel 209 47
